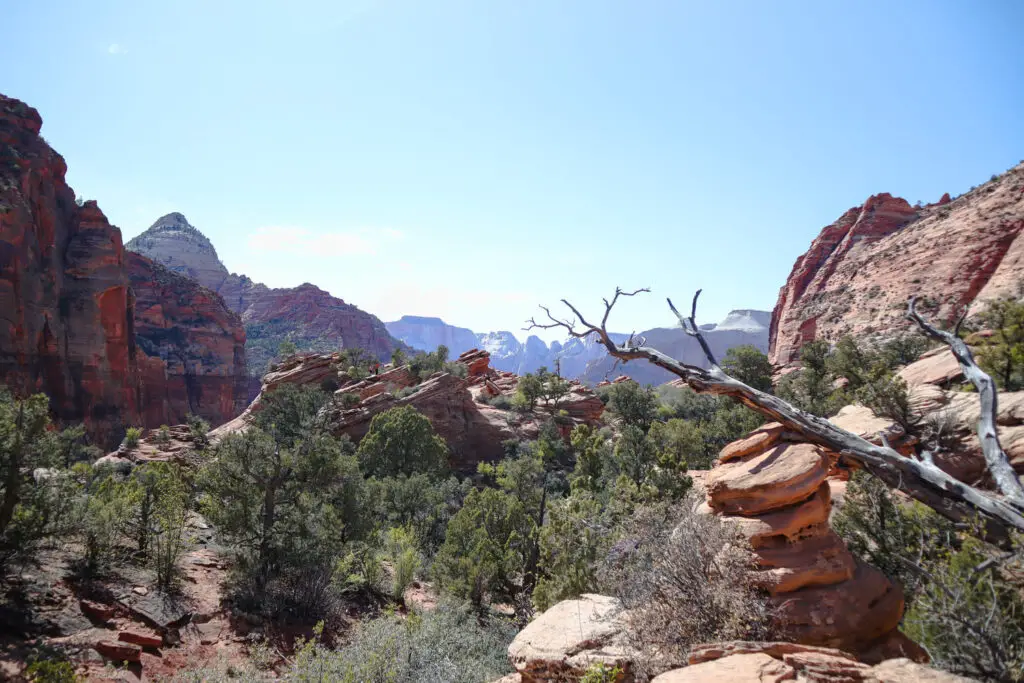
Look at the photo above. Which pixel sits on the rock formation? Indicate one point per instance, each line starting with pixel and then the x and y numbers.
pixel 934 398
pixel 859 272
pixel 749 662
pixel 772 489
pixel 68 295
pixel 66 327
pixel 473 429
pixel 306 315
pixel 562 642
pixel 200 345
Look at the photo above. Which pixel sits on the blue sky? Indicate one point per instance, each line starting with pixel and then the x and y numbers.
pixel 473 159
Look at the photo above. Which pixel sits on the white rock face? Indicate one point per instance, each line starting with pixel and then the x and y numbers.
pixel 171 241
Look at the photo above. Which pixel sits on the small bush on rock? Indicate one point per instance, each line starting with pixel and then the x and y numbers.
pixel 131 438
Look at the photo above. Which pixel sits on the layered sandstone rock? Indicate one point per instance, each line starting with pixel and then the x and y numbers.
pixel 957 412
pixel 774 491
pixel 108 339
pixel 474 430
pixel 66 327
pixel 752 662
pixel 199 342
pixel 858 273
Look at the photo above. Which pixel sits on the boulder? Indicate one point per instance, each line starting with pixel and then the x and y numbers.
pixel 560 643
pixel 906 671
pixel 938 367
pixel 779 477
pixel 848 615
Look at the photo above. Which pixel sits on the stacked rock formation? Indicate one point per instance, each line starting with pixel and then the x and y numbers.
pixel 773 489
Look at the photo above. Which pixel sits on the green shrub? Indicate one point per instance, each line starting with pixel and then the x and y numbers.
pixel 402 441
pixel 348 400
pixel 448 644
pixel 37 501
pixel 51 671
pixel 106 518
pixel 131 438
pixel 198 428
pixel 162 436
pixel 602 673
pixel 400 550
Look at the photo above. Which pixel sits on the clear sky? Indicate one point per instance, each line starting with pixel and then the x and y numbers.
pixel 471 159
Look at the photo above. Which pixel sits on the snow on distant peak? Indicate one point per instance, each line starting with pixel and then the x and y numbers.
pixel 746 320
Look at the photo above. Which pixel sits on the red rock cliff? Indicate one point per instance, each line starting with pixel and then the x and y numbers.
pixel 859 272
pixel 199 343
pixel 68 320
pixel 65 304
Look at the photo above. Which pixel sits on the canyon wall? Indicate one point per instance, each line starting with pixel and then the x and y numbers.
pixel 859 272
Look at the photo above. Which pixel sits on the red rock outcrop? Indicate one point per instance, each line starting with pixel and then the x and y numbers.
pixel 199 342
pixel 66 327
pixel 774 492
pixel 68 293
pixel 859 272
pixel 474 430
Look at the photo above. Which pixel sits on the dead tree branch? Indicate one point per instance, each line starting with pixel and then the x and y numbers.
pixel 995 458
pixel 922 480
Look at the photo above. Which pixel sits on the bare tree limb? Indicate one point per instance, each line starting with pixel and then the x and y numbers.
pixel 923 481
pixel 999 465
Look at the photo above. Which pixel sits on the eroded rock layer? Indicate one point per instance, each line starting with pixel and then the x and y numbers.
pixel 774 492
pixel 66 323
pixel 859 272
pixel 69 325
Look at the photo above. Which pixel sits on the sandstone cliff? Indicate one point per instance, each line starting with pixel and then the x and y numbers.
pixel 306 315
pixel 199 343
pixel 66 323
pixel 69 325
pixel 858 273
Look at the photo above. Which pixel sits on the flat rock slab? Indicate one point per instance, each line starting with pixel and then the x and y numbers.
pixel 784 475
pixel 118 652
pixel 566 639
pixel 743 668
pixel 757 441
pixel 160 611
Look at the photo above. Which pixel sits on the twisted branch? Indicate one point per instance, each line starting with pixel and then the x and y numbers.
pixel 922 480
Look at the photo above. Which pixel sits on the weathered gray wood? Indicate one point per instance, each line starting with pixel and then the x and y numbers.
pixel 922 480
pixel 999 465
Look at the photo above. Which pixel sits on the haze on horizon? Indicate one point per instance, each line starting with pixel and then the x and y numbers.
pixel 471 160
